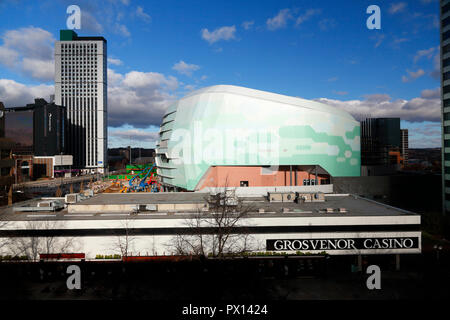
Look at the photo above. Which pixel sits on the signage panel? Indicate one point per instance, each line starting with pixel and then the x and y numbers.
pixel 342 244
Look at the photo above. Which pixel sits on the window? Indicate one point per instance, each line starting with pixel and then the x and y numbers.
pixel 446 49
pixel 446 170
pixel 445 8
pixel 445 35
pixel 446 89
pixel 446 76
pixel 446 156
pixel 446 63
pixel 243 184
pixel 445 22
pixel 447 129
pixel 446 116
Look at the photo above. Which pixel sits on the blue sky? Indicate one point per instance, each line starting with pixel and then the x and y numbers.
pixel 161 50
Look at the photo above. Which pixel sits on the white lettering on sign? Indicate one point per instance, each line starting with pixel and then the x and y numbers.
pixel 341 244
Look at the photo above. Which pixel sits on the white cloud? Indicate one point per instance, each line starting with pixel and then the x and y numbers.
pixel 141 14
pixel 122 30
pixel 413 75
pixel 114 78
pixel 139 98
pixel 89 23
pixel 135 135
pixel 427 107
pixel 248 24
pixel 428 53
pixel 431 93
pixel 189 87
pixel 306 16
pixel 436 72
pixel 114 61
pixel 280 20
pixel 15 94
pixel 29 50
pixel 8 56
pixel 222 33
pixel 397 7
pixel 185 68
pixel 39 69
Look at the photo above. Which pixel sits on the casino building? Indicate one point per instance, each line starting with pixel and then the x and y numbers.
pixel 275 153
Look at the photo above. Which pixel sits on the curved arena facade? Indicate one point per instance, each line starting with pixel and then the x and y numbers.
pixel 233 136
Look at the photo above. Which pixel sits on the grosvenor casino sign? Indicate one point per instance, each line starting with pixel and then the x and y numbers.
pixel 342 244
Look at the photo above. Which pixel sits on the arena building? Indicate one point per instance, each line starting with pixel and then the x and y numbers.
pixel 240 137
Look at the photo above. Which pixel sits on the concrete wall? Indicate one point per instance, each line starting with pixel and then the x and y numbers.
pixel 255 176
pixel 262 191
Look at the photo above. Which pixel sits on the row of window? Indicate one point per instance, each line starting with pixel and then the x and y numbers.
pixel 446 89
pixel 445 35
pixel 78 75
pixel 83 120
pixel 445 22
pixel 445 8
pixel 78 45
pixel 446 129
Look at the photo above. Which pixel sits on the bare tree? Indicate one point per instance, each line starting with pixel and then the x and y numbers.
pixel 220 231
pixel 33 245
pixel 125 242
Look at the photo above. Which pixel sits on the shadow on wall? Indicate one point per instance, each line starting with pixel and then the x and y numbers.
pixel 417 193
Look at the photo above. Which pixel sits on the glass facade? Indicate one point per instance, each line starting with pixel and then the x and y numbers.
pixel 445 86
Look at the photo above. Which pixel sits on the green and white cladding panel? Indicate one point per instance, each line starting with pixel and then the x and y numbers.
pixel 229 125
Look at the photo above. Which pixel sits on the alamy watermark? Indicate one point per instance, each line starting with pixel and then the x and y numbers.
pixel 374 20
pixel 374 281
pixel 74 20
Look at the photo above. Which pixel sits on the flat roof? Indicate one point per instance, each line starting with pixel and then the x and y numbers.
pixel 354 205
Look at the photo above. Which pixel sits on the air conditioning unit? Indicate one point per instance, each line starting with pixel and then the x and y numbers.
pixel 318 197
pixel 304 197
pixel 72 198
pixel 289 197
pixel 275 197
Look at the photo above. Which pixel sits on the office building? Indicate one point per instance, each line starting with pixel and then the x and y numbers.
pixel 6 161
pixel 81 86
pixel 38 135
pixel 37 129
pixel 19 128
pixel 384 146
pixel 249 138
pixel 445 96
pixel 405 145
